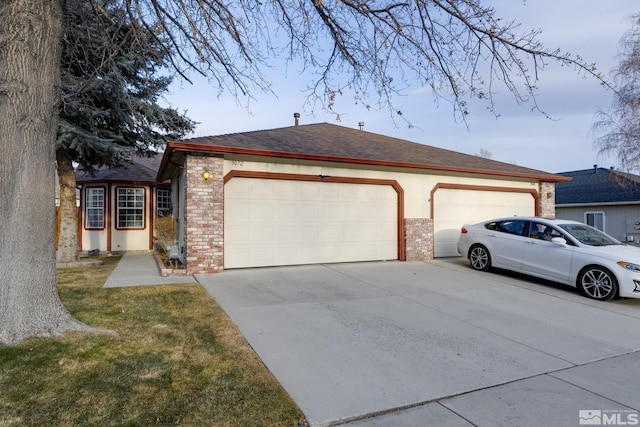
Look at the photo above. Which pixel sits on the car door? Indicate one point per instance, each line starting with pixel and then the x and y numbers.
pixel 506 240
pixel 544 258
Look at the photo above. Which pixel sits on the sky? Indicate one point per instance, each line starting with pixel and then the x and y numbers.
pixel 564 142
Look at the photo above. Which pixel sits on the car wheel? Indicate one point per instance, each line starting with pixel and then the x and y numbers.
pixel 598 283
pixel 479 258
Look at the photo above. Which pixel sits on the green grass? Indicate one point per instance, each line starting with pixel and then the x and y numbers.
pixel 177 360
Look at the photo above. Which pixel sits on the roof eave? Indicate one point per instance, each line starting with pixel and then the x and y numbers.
pixel 210 149
pixel 141 182
pixel 592 204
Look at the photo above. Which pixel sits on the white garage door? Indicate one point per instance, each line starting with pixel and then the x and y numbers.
pixel 269 222
pixel 453 208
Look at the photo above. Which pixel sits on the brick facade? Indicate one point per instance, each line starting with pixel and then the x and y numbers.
pixel 548 199
pixel 204 214
pixel 418 238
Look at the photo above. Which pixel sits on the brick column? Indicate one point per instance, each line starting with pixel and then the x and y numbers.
pixel 548 199
pixel 418 239
pixel 204 214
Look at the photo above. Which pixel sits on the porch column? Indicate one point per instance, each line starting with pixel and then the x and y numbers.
pixel 204 214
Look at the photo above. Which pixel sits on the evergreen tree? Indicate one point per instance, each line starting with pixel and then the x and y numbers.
pixel 111 87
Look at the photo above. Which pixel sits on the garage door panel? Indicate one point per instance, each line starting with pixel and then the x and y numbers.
pixel 278 222
pixel 455 207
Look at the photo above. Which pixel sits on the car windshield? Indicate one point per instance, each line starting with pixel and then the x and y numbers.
pixel 589 235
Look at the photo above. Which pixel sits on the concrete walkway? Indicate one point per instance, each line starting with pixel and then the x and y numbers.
pixel 138 269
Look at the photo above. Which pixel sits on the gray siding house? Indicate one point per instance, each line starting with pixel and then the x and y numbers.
pixel 604 198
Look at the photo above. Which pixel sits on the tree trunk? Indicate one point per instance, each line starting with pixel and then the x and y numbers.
pixel 68 239
pixel 30 48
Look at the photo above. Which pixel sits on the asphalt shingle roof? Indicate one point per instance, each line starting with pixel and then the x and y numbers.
pixel 141 169
pixel 324 141
pixel 598 185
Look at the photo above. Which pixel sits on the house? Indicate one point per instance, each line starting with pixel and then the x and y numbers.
pixel 322 193
pixel 118 207
pixel 604 198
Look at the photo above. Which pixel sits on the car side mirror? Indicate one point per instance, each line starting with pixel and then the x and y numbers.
pixel 559 241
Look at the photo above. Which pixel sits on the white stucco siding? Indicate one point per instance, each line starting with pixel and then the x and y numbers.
pixel 416 184
pixel 93 239
pixel 272 222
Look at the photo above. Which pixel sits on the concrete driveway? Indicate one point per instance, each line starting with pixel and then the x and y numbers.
pixel 436 343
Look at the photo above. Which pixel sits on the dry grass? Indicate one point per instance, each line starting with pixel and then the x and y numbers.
pixel 177 360
pixel 165 230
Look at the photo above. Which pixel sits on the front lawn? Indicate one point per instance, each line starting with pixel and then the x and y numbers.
pixel 177 360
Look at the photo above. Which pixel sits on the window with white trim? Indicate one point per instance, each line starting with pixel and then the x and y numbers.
pixel 163 201
pixel 595 219
pixel 94 207
pixel 130 208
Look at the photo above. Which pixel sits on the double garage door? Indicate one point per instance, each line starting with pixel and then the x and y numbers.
pixel 271 222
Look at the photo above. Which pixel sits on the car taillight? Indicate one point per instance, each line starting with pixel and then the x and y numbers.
pixel 463 230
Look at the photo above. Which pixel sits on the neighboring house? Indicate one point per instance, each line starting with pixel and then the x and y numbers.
pixel 604 198
pixel 323 193
pixel 118 206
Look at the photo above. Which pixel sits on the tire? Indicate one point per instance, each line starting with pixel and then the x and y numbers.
pixel 479 258
pixel 598 283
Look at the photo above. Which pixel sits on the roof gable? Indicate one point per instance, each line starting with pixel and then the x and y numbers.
pixel 598 185
pixel 328 142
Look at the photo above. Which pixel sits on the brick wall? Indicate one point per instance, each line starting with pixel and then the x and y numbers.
pixel 204 215
pixel 418 238
pixel 548 199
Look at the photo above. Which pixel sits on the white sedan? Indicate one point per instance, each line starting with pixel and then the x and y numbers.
pixel 563 251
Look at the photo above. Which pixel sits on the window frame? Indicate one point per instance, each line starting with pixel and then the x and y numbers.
pixel 119 208
pixel 165 199
pixel 90 210
pixel 596 213
pixel 499 226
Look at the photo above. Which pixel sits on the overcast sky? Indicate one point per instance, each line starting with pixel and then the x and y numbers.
pixel 591 29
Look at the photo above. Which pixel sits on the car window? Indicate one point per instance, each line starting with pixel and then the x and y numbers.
pixel 588 235
pixel 538 230
pixel 509 226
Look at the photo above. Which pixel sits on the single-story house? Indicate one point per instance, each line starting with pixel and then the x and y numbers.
pixel 604 198
pixel 118 206
pixel 322 193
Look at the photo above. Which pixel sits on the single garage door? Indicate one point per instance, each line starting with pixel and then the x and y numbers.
pixel 270 222
pixel 455 207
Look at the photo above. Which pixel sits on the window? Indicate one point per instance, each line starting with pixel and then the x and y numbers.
pixel 130 208
pixel 537 230
pixel 163 202
pixel 94 207
pixel 595 219
pixel 507 226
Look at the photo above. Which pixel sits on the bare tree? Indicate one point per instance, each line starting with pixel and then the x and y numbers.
pixel 484 153
pixel 458 48
pixel 617 130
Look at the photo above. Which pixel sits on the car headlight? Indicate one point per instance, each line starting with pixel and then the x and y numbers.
pixel 629 266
